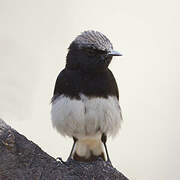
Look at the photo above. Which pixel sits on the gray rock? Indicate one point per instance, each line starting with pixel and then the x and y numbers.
pixel 21 159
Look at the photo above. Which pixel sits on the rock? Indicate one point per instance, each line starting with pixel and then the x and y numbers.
pixel 21 159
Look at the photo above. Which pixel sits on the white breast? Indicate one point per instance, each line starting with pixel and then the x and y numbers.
pixel 86 116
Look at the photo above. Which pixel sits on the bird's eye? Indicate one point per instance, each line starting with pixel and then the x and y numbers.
pixel 102 52
pixel 90 52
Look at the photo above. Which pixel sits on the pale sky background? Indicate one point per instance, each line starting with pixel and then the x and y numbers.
pixel 34 37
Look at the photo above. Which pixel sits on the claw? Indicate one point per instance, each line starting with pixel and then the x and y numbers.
pixel 108 161
pixel 59 159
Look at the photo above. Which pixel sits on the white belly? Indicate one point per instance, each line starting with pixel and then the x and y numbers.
pixel 87 116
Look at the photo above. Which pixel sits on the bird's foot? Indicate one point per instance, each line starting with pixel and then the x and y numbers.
pixel 64 162
pixel 108 161
pixel 59 159
pixel 101 159
pixel 69 159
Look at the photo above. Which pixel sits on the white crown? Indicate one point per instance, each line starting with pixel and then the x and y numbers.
pixel 93 39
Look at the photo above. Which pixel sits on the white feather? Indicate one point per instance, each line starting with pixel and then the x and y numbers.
pixel 87 116
pixel 87 145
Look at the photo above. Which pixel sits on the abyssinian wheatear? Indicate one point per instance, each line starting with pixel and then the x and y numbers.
pixel 85 104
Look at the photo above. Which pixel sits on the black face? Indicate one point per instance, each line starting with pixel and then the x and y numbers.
pixel 88 59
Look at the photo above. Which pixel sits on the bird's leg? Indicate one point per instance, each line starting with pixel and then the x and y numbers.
pixel 74 139
pixel 104 139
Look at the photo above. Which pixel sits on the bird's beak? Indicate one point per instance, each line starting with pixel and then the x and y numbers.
pixel 114 53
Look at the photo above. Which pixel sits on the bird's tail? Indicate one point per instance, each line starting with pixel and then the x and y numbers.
pixel 88 149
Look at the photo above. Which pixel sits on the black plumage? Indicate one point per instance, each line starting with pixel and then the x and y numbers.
pixel 73 82
pixel 87 75
pixel 86 72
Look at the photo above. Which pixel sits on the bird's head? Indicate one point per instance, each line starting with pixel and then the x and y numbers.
pixel 90 51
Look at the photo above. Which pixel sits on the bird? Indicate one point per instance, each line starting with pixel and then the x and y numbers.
pixel 85 102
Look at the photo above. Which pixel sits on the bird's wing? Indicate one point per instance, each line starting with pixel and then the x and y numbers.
pixel 60 82
pixel 115 89
pixel 113 84
pixel 66 84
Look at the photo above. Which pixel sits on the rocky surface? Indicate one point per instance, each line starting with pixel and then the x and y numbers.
pixel 21 159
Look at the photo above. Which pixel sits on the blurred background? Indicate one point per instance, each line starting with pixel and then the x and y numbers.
pixel 34 37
